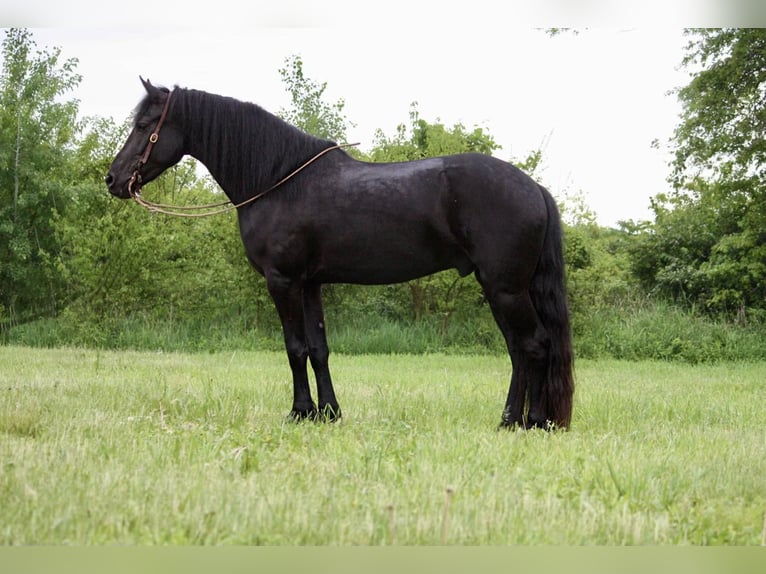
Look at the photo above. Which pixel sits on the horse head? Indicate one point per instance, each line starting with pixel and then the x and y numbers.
pixel 154 144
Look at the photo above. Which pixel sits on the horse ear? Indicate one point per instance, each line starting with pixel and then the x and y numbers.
pixel 151 89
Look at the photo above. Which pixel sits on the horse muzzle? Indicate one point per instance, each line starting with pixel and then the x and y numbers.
pixel 126 190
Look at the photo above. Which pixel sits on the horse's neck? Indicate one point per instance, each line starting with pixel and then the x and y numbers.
pixel 208 147
pixel 245 162
pixel 223 175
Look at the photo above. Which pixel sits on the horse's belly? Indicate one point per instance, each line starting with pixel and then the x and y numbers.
pixel 388 263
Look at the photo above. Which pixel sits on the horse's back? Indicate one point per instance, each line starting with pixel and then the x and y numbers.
pixel 435 188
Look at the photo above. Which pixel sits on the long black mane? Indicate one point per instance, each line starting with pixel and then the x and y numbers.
pixel 247 149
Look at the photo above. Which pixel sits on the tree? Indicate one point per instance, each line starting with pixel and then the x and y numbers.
pixel 708 243
pixel 422 139
pixel 37 128
pixel 721 134
pixel 309 111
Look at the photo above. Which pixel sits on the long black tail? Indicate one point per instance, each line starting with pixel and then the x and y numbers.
pixel 548 293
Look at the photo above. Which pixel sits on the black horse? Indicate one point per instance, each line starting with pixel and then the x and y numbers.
pixel 341 220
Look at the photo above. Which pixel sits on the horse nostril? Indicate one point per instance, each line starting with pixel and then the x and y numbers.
pixel 109 180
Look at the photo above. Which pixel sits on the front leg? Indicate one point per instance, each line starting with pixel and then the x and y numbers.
pixel 288 299
pixel 319 352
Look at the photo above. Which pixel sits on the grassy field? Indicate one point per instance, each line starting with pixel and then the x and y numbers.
pixel 147 448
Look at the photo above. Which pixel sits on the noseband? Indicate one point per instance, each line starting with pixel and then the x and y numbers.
pixel 135 179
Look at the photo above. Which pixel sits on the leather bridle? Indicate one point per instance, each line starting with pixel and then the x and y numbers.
pixel 135 178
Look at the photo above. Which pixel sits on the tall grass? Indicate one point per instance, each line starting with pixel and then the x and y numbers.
pixel 103 447
pixel 653 331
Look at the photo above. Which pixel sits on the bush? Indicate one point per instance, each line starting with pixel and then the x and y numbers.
pixel 637 330
pixel 664 332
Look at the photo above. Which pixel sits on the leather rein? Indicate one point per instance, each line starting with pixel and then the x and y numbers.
pixel 135 183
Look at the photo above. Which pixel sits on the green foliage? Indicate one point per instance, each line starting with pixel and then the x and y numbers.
pixel 422 139
pixel 598 269
pixel 634 330
pixel 37 128
pixel 722 127
pixel 131 262
pixel 309 111
pixel 707 246
pixel 702 251
pixel 630 329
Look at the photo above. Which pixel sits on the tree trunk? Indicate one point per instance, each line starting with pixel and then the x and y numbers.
pixel 16 163
pixel 418 299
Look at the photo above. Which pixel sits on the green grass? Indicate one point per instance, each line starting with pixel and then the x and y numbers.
pixel 644 331
pixel 148 448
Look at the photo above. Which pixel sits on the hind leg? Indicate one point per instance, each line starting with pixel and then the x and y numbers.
pixel 528 345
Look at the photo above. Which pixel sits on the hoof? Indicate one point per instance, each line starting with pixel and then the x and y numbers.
pixel 298 415
pixel 535 421
pixel 508 422
pixel 326 414
pixel 508 426
pixel 329 414
pixel 547 426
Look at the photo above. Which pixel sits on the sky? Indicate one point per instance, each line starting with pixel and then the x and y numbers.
pixel 593 101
